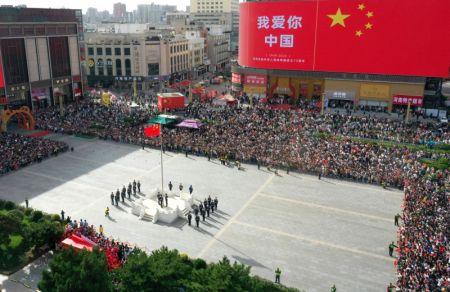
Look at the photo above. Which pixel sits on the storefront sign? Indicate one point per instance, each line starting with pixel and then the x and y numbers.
pixel 340 95
pixel 236 78
pixel 405 99
pixel 324 36
pixel 129 78
pixel 255 79
pixel 376 91
pixel 249 89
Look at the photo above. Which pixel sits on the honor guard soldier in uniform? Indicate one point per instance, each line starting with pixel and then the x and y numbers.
pixel 134 188
pixel 200 206
pixel 197 219
pixel 191 189
pixel 167 199
pixel 216 202
pixel 189 217
pixel 170 186
pixel 117 197
pixel 180 187
pixel 112 198
pixel 205 202
pixel 209 200
pixel 207 209
pixel 202 212
pixel 196 211
pixel 139 186
pixel 129 192
pixel 62 215
pixel 123 194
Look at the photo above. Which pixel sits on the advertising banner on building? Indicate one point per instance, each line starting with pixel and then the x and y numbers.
pixel 253 79
pixel 372 36
pixel 405 99
pixel 236 78
pixel 2 80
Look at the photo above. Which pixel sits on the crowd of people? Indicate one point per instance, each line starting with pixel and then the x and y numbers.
pixel 304 140
pixel 424 238
pixel 19 151
pixel 116 252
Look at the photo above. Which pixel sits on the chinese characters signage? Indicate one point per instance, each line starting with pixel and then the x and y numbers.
pixel 405 99
pixel 377 91
pixel 235 78
pixel 260 80
pixel 374 37
pixel 340 95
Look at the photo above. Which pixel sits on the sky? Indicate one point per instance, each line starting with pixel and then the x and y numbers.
pixel 99 4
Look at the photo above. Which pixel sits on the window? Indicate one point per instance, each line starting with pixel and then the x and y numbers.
pixel 91 51
pixel 126 52
pixel 100 51
pixel 14 60
pixel 127 66
pixel 60 60
pixel 117 51
pixel 108 52
pixel 153 69
pixel 101 67
pixel 118 67
pixel 109 67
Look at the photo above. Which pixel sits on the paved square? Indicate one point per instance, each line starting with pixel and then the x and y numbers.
pixel 319 232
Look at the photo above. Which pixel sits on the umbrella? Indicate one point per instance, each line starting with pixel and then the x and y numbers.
pixel 193 124
pixel 162 120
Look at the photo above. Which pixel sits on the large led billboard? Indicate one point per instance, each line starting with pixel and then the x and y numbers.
pixel 401 37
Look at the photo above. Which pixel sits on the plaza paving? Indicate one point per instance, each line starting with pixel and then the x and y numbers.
pixel 319 232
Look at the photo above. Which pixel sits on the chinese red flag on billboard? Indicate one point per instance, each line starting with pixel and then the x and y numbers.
pixel 401 37
pixel 152 131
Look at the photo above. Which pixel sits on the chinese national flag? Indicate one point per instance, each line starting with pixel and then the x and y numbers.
pixel 401 37
pixel 152 131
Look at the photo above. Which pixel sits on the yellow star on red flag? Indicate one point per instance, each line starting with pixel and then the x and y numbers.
pixel 338 18
pixel 361 7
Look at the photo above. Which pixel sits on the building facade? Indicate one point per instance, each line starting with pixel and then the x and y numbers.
pixel 220 12
pixel 153 13
pixel 40 53
pixel 121 59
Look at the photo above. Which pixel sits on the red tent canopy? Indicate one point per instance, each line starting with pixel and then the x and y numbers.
pixel 78 242
pixel 184 83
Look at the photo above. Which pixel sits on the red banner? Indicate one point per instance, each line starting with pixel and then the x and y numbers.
pixel 405 99
pixel 376 37
pixel 2 80
pixel 236 78
pixel 252 79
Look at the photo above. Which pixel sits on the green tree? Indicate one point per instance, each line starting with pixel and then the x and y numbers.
pixel 77 271
pixel 223 276
pixel 163 270
pixel 9 224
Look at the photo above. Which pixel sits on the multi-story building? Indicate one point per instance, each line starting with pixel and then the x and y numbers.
pixel 119 11
pixel 120 59
pixel 40 52
pixel 218 50
pixel 214 12
pixel 153 13
pixel 197 53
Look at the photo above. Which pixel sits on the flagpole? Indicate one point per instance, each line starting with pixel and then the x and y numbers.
pixel 162 168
